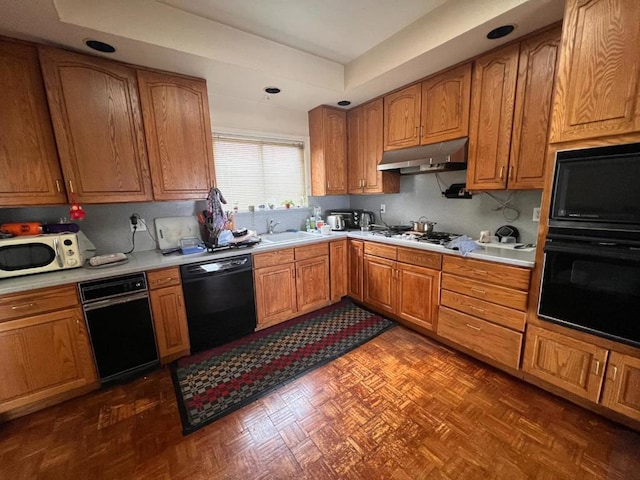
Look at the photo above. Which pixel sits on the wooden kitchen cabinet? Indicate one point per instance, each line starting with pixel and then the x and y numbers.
pixel 328 141
pixel 97 121
pixel 290 282
pixel 28 155
pixel 364 153
pixel 169 313
pixel 338 269
pixel 177 127
pixel 510 113
pixel 483 307
pixel 598 91
pixel 571 364
pixel 45 355
pixel 435 110
pixel 398 281
pixel 356 269
pixel 622 385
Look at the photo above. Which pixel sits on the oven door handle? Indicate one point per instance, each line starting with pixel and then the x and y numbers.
pixel 603 250
pixel 115 301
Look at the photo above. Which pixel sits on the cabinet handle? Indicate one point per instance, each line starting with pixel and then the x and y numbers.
pixel 164 280
pixel 480 272
pixel 293 273
pixel 421 130
pixel 597 367
pixel 180 300
pixel 473 327
pixel 477 290
pixel 615 372
pixel 481 310
pixel 501 172
pixel 511 172
pixel 58 186
pixel 71 187
pixel 24 305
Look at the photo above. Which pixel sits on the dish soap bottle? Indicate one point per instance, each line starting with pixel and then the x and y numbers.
pixel 307 225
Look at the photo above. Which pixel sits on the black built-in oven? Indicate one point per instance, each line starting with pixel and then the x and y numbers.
pixel 591 271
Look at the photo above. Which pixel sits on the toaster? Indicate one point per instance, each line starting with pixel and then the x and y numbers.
pixel 336 222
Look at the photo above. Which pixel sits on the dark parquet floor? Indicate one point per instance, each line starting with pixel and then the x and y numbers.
pixel 399 407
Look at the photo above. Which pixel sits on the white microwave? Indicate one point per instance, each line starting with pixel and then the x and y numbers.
pixel 24 255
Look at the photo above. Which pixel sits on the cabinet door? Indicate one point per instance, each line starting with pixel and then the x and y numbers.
pixel 534 95
pixel 445 105
pixel 98 127
pixel 492 105
pixel 275 294
pixel 170 321
pixel 380 283
pixel 355 150
pixel 598 91
pixel 570 364
pixel 43 356
pixel 402 118
pixel 312 283
pixel 622 385
pixel 28 154
pixel 356 257
pixel 328 140
pixel 338 269
pixel 418 294
pixel 178 131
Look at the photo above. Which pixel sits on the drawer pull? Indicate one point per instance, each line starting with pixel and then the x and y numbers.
pixel 480 272
pixel 473 327
pixel 477 290
pixel 477 309
pixel 24 305
pixel 164 280
pixel 615 372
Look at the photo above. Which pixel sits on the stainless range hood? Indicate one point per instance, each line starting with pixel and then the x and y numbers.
pixel 438 157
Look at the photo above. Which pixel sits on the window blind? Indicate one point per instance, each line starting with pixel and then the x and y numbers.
pixel 255 171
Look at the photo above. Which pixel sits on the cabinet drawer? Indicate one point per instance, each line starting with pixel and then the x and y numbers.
pixel 420 258
pixel 269 259
pixel 498 343
pixel 485 291
pixel 311 251
pixel 166 277
pixel 380 250
pixel 513 277
pixel 37 301
pixel 507 317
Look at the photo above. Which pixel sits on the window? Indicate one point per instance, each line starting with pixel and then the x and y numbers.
pixel 256 171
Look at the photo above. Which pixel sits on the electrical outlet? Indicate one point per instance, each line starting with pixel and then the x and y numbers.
pixel 383 208
pixel 536 214
pixel 142 225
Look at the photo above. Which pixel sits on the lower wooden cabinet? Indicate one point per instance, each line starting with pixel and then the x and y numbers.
pixel 290 282
pixel 338 269
pixel 43 357
pixel 355 255
pixel 584 369
pixel 169 314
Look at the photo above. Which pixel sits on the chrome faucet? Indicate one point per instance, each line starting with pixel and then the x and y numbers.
pixel 272 225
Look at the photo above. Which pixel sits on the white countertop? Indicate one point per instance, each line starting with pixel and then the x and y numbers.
pixel 153 259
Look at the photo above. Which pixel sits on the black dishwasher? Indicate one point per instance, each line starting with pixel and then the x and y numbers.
pixel 219 300
pixel 120 326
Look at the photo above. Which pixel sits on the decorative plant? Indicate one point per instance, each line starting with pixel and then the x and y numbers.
pixel 288 203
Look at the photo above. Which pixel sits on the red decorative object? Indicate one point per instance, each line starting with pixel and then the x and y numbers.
pixel 75 210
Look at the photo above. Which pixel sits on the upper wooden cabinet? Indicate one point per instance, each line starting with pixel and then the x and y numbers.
pixel 434 111
pixel 328 140
pixel 180 159
pixel 598 92
pixel 510 110
pixel 402 118
pixel 28 154
pixel 97 121
pixel 445 105
pixel 364 139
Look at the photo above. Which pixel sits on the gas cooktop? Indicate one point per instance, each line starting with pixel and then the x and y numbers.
pixel 436 238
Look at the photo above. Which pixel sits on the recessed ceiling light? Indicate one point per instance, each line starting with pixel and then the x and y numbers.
pixel 272 90
pixel 500 32
pixel 344 103
pixel 100 46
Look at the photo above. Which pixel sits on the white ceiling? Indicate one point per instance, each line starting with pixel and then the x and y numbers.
pixel 316 51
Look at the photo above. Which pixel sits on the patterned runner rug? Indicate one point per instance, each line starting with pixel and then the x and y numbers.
pixel 216 382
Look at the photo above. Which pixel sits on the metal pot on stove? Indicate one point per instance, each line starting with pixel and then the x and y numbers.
pixel 425 226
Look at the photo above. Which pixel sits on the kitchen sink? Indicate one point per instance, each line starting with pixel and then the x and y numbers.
pixel 287 237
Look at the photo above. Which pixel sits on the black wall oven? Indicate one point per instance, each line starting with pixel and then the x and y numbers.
pixel 591 271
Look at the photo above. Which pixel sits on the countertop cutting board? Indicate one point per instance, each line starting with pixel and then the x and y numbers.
pixel 170 230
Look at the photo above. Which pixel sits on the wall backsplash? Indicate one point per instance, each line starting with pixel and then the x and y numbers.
pixel 107 226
